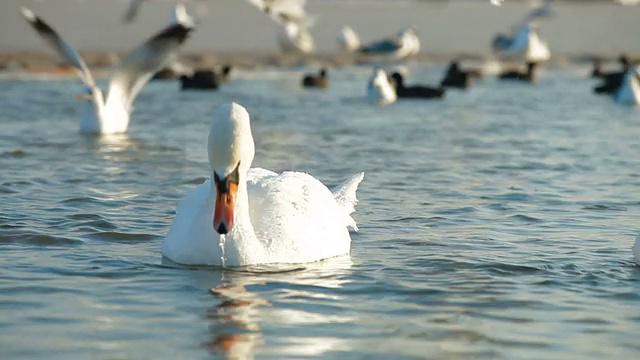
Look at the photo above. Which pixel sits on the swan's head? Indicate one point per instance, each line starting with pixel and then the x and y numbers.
pixel 231 151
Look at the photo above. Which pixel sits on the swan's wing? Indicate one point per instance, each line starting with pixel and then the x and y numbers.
pixel 297 217
pixel 132 10
pixel 139 65
pixel 542 11
pixel 191 238
pixel 63 48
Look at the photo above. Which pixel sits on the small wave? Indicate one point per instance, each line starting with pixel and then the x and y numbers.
pixel 118 237
pixel 461 210
pixel 94 222
pixel 195 181
pixel 6 190
pixel 38 239
pixel 79 200
pixel 602 207
pixel 509 269
pixel 526 219
pixel 512 197
pixel 14 154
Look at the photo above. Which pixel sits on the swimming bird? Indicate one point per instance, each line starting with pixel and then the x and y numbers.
pixel 203 79
pixel 130 75
pixel 611 81
pixel 321 80
pixel 525 44
pixel 528 75
pixel 629 91
pixel 379 88
pixel 611 75
pixel 244 216
pixel 348 40
pixel 457 78
pixel 597 72
pixel 404 45
pixel 416 91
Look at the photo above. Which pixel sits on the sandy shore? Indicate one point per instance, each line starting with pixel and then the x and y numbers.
pixel 233 31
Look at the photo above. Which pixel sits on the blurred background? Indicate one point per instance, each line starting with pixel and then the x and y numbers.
pixel 234 30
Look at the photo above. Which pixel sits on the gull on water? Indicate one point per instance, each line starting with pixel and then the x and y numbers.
pixel 112 115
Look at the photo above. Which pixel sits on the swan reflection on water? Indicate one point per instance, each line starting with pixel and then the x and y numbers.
pixel 252 301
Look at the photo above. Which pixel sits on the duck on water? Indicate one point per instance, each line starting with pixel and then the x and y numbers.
pixel 415 91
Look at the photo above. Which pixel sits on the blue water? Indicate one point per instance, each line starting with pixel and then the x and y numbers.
pixel 496 223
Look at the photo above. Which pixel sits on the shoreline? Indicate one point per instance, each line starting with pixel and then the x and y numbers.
pixel 49 63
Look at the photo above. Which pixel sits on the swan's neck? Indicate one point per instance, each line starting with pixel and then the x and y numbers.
pixel 241 243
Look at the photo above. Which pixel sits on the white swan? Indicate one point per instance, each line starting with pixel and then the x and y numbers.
pixel 636 250
pixel 245 216
pixel 131 74
pixel 629 91
pixel 379 88
pixel 348 40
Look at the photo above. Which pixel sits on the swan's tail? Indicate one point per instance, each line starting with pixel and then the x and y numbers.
pixel 345 195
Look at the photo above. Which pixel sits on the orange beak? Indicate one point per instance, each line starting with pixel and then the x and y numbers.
pixel 225 203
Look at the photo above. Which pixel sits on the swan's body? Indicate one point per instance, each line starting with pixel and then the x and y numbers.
pixel 111 115
pixel 379 88
pixel 272 218
pixel 348 40
pixel 629 91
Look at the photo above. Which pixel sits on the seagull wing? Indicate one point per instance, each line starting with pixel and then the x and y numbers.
pixel 284 11
pixel 132 10
pixel 62 47
pixel 382 46
pixel 139 65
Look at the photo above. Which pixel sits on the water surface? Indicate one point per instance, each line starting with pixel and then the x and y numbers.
pixel 494 224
